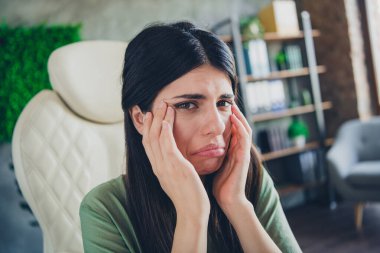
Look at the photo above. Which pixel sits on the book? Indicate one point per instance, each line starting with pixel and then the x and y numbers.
pixel 293 56
pixel 258 58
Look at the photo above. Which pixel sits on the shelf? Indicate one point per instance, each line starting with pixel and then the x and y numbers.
pixel 288 189
pixel 318 142
pixel 292 150
pixel 274 36
pixel 295 36
pixel 292 188
pixel 286 74
pixel 289 112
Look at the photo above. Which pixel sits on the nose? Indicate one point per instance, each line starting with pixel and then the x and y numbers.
pixel 214 123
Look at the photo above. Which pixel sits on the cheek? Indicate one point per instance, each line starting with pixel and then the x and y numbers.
pixel 183 132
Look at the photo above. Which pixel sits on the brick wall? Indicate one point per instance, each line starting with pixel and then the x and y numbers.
pixel 340 49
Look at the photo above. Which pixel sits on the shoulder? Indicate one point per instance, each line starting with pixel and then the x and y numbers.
pixel 103 212
pixel 105 195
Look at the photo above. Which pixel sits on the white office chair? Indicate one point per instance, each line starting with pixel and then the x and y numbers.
pixel 70 139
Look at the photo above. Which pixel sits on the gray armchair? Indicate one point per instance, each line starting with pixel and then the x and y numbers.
pixel 354 163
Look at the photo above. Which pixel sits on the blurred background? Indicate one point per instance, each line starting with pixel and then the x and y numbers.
pixel 306 68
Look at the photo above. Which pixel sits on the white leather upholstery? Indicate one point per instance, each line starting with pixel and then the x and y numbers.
pixel 58 154
pixel 88 77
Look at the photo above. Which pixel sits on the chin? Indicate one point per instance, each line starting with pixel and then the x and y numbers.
pixel 209 166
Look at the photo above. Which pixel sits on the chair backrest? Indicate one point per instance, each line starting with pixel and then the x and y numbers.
pixel 369 140
pixel 364 137
pixel 70 139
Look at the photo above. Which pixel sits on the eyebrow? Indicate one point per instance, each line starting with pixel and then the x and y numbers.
pixel 201 96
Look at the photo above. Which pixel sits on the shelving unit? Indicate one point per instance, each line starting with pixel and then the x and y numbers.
pixel 289 112
pixel 285 190
pixel 311 71
pixel 274 36
pixel 294 150
pixel 286 74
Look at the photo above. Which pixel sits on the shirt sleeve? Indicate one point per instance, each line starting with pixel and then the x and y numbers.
pixel 99 233
pixel 105 224
pixel 272 217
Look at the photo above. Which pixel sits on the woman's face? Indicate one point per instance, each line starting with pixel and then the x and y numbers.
pixel 202 101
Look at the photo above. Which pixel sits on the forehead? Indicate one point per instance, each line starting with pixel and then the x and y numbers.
pixel 206 80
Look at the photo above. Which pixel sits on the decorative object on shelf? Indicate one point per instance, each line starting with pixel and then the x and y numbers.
pixel 281 60
pixel 298 132
pixel 251 28
pixel 306 97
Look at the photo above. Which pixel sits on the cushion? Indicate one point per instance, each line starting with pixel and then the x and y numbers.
pixel 87 75
pixel 365 175
pixel 368 143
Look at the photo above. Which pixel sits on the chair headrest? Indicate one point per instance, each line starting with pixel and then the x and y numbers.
pixel 87 75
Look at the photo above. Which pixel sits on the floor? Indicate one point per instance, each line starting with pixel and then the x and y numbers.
pixel 319 229
pixel 316 228
pixel 18 232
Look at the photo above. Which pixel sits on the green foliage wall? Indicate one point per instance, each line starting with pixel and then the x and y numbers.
pixel 24 52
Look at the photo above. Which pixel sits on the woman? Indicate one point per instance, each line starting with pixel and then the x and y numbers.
pixel 194 182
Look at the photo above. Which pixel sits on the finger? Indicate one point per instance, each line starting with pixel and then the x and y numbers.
pixel 169 117
pixel 155 132
pixel 236 111
pixel 147 124
pixel 168 143
pixel 157 120
pixel 241 131
pixel 233 136
pixel 145 140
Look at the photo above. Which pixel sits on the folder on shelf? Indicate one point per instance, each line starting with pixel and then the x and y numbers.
pixel 280 17
pixel 258 58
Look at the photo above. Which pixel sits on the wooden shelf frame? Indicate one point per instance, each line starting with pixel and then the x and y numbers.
pixel 289 112
pixel 286 74
pixel 271 36
pixel 285 190
pixel 293 150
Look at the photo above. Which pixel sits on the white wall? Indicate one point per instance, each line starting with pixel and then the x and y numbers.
pixel 121 19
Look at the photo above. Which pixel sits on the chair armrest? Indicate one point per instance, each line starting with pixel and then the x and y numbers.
pixel 342 156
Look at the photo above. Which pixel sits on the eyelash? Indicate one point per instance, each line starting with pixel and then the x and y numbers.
pixel 185 105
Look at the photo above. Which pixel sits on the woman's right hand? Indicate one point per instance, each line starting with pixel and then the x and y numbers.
pixel 177 176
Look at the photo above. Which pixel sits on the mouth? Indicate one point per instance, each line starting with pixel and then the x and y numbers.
pixel 211 151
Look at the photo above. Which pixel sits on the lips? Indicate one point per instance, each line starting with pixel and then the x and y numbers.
pixel 211 150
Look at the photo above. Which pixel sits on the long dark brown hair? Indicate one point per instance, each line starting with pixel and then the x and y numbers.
pixel 158 55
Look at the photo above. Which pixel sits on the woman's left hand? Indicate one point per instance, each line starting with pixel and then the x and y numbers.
pixel 229 183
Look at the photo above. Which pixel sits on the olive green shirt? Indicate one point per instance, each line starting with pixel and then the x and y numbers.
pixel 106 226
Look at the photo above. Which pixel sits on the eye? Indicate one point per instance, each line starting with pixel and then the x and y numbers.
pixel 186 105
pixel 224 103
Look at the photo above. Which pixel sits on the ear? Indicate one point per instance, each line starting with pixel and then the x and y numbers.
pixel 137 117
